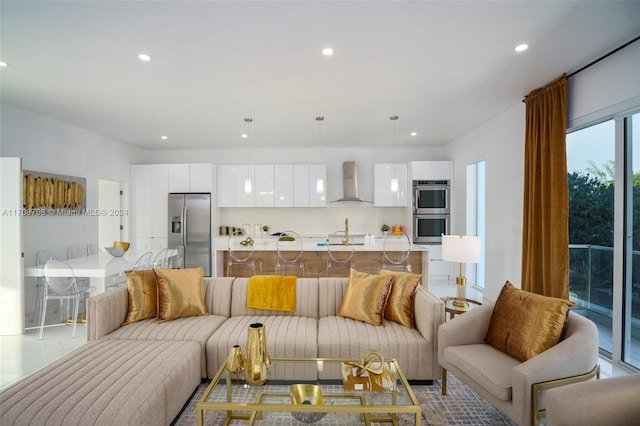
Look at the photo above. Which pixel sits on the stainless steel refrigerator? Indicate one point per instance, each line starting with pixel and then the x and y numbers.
pixel 190 226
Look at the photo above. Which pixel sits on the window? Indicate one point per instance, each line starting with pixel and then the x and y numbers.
pixel 476 215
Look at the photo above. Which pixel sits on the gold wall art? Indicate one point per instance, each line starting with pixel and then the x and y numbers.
pixel 53 194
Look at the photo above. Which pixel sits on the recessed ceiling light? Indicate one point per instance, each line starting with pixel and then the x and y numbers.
pixel 244 135
pixel 414 133
pixel 144 57
pixel 3 64
pixel 521 47
pixel 327 51
pixel 163 137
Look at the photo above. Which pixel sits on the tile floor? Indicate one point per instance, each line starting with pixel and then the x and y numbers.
pixel 23 354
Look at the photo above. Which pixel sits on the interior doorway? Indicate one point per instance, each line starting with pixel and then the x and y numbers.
pixel 113 212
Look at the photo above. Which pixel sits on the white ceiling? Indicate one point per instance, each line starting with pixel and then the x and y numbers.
pixel 442 67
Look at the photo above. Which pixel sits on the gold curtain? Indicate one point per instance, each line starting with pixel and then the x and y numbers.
pixel 545 233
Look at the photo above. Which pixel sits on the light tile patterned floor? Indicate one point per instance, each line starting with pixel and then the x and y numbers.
pixel 461 406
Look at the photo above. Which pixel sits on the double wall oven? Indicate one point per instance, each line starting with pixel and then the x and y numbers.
pixel 431 210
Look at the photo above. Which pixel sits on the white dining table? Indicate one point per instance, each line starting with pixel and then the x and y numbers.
pixel 99 268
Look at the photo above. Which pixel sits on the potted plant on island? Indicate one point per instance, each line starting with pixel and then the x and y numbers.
pixel 384 229
pixel 265 229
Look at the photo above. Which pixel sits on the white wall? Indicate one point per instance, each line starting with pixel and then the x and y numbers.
pixel 47 145
pixel 499 142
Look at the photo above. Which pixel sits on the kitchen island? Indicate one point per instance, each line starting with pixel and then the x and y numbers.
pixel 315 256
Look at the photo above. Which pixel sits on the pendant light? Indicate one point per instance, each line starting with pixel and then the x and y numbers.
pixel 320 180
pixel 248 187
pixel 394 178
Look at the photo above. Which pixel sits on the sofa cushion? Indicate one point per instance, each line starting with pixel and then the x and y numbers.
pixel 366 297
pixel 180 293
pixel 403 290
pixel 143 295
pixel 525 324
pixel 340 337
pixel 287 337
pixel 190 329
pixel 485 365
pixel 106 383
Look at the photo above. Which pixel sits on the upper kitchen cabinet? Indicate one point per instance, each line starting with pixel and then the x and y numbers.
pixel 317 185
pixel 191 177
pixel 431 170
pixel 264 178
pixel 384 195
pixel 150 190
pixel 283 184
pixel 280 185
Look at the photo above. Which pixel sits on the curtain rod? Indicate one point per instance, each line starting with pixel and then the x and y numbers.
pixel 603 57
pixel 598 60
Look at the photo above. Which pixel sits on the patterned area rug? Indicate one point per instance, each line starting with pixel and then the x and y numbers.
pixel 461 406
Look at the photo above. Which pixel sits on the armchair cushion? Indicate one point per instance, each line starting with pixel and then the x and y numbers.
pixel 525 324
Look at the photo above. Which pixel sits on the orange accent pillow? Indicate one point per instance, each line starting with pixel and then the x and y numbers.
pixel 365 297
pixel 143 298
pixel 525 324
pixel 180 293
pixel 403 290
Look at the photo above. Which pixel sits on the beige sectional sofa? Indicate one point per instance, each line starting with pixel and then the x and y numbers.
pixel 313 330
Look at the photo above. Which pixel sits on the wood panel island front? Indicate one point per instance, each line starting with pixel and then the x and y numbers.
pixel 315 256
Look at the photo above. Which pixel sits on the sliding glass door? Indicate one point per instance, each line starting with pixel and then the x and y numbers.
pixel 604 232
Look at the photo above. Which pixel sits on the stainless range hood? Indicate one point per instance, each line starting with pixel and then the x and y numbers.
pixel 350 183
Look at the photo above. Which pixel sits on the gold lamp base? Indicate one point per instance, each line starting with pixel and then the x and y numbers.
pixel 461 297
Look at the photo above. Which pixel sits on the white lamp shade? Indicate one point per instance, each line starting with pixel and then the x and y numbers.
pixel 461 248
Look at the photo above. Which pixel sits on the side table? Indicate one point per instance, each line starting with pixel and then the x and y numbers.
pixel 453 310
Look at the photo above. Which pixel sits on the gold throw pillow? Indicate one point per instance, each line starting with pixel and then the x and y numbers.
pixel 180 293
pixel 143 297
pixel 400 304
pixel 365 297
pixel 525 324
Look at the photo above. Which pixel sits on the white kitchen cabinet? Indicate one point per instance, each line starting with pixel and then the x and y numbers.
pixel 226 186
pixel 151 188
pixel 264 186
pixel 431 170
pixel 201 177
pixel 280 185
pixel 383 195
pixel 190 177
pixel 301 191
pixel 317 195
pixel 439 269
pixel 244 198
pixel 283 183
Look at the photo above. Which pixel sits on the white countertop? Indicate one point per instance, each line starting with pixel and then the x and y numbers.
pixel 268 243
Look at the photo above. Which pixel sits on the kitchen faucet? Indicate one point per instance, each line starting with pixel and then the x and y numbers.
pixel 345 240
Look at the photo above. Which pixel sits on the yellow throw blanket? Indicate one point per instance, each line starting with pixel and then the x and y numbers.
pixel 272 292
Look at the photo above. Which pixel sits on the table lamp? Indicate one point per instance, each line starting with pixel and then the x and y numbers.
pixel 463 249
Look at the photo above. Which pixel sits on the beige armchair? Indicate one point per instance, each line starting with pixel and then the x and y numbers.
pixel 612 401
pixel 515 388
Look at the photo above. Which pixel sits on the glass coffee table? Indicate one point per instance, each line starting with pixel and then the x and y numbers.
pixel 230 400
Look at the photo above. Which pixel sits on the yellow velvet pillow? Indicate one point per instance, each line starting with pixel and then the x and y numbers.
pixel 180 293
pixel 400 304
pixel 365 297
pixel 525 324
pixel 143 295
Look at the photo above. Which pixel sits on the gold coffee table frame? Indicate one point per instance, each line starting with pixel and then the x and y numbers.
pixel 386 413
